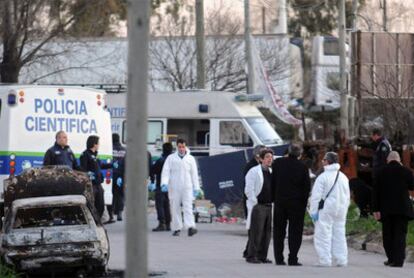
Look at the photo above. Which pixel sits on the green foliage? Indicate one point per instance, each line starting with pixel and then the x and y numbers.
pixel 318 19
pixel 96 17
pixel 7 272
pixel 410 234
pixel 364 226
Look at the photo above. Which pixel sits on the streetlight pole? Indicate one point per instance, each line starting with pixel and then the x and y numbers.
pixel 247 39
pixel 200 44
pixel 342 64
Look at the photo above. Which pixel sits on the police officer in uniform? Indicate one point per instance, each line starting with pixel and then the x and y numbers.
pixel 118 177
pixel 60 153
pixel 92 165
pixel 382 150
pixel 162 201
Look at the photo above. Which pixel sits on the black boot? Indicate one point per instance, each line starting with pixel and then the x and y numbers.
pixel 161 227
pixel 168 225
pixel 119 217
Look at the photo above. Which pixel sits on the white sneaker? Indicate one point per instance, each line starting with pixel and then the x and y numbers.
pixel 322 265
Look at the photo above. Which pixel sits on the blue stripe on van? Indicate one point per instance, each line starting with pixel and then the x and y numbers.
pixel 34 161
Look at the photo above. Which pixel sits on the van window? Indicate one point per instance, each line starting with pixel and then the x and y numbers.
pixel 330 47
pixel 233 133
pixel 49 216
pixel 154 132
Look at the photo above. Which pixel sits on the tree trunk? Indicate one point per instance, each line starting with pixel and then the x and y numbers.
pixel 9 70
pixel 10 63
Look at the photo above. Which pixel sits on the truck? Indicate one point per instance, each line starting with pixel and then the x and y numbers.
pixel 50 223
pixel 211 122
pixel 31 115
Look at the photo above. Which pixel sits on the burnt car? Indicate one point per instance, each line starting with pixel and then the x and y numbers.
pixel 51 225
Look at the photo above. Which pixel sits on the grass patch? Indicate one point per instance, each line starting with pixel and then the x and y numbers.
pixel 7 272
pixel 364 226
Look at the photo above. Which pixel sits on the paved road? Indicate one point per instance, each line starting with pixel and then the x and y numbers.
pixel 216 252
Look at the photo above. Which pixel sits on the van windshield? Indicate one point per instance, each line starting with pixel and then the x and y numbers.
pixel 264 131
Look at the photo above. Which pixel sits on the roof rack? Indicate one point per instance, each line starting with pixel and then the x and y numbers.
pixel 109 88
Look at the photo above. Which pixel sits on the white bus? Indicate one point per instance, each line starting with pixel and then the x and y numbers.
pixel 31 115
pixel 210 122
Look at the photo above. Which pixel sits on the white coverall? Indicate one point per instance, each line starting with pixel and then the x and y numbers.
pixel 254 185
pixel 329 238
pixel 181 176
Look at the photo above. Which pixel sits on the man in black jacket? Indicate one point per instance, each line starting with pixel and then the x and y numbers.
pixel 92 165
pixel 162 202
pixel 118 177
pixel 61 153
pixel 393 207
pixel 291 184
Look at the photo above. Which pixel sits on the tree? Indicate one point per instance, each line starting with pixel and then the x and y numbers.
pixel 317 17
pixel 173 60
pixel 28 26
pixel 383 83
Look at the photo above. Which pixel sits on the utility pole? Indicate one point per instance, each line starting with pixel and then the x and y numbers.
pixel 354 15
pixel 282 17
pixel 249 56
pixel 136 164
pixel 201 79
pixel 384 15
pixel 342 65
pixel 264 20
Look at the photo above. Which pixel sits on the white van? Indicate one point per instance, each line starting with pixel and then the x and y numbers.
pixel 31 115
pixel 211 122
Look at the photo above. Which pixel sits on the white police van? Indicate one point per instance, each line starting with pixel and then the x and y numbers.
pixel 30 116
pixel 211 122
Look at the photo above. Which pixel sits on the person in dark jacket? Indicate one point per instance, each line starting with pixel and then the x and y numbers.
pixel 92 165
pixel 118 177
pixel 162 202
pixel 291 185
pixel 382 149
pixel 393 207
pixel 61 153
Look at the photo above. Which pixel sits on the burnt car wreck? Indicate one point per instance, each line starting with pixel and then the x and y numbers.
pixel 50 223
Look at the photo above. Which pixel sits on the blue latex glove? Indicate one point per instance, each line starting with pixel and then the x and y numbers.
pixel 119 181
pixel 196 193
pixel 151 187
pixel 164 188
pixel 315 217
pixel 91 175
pixel 116 165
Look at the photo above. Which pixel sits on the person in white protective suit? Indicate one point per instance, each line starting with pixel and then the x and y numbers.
pixel 332 186
pixel 180 178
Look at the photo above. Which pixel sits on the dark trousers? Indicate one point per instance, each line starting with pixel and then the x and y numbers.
pixel 260 232
pixel 162 204
pixel 118 199
pixel 98 193
pixel 394 232
pixel 292 212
